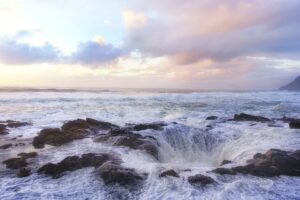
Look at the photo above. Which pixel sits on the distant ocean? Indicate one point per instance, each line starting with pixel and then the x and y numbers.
pixel 189 143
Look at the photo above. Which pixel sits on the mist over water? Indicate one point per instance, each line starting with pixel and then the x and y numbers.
pixel 189 143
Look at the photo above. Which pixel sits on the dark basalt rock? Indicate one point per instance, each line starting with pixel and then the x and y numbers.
pixel 295 124
pixel 153 126
pixel 5 146
pixel 28 155
pixel 71 130
pixel 247 117
pixel 212 118
pixel 113 173
pixel 73 163
pixel 225 162
pixel 123 137
pixel 274 162
pixel 223 171
pixel 23 172
pixel 3 129
pixel 15 163
pixel 170 172
pixel 200 179
pixel 55 137
pixel 16 124
pixel 10 124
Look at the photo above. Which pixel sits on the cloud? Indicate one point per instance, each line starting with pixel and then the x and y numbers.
pixel 220 30
pixel 90 53
pixel 133 19
pixel 14 53
pixel 94 53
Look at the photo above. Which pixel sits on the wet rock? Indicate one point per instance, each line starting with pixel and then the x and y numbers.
pixel 274 162
pixel 113 173
pixel 153 126
pixel 23 172
pixel 170 172
pixel 123 137
pixel 53 136
pixel 15 163
pixel 10 124
pixel 71 130
pixel 200 179
pixel 295 124
pixel 247 117
pixel 223 171
pixel 212 118
pixel 225 162
pixel 16 124
pixel 73 163
pixel 5 146
pixel 3 129
pixel 20 144
pixel 28 155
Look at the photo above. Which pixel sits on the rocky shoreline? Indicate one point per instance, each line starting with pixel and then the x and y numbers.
pixel 109 167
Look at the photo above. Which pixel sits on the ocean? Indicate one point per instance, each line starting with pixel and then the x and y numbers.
pixel 188 143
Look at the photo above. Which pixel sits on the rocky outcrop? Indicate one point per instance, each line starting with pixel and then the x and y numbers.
pixel 28 155
pixel 3 129
pixel 274 162
pixel 17 163
pixel 295 124
pixel 5 146
pixel 73 163
pixel 108 166
pixel 225 162
pixel 170 172
pixel 153 126
pixel 23 172
pixel 71 130
pixel 4 125
pixel 114 173
pixel 211 118
pixel 247 117
pixel 223 171
pixel 123 137
pixel 200 179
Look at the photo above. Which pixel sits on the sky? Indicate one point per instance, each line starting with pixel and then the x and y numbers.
pixel 195 44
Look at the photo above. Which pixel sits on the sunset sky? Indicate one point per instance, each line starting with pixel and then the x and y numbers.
pixel 195 44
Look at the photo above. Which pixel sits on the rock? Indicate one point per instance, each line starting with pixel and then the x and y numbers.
pixel 200 179
pixel 112 173
pixel 170 172
pixel 16 124
pixel 53 136
pixel 73 163
pixel 223 171
pixel 123 137
pixel 212 118
pixel 295 124
pixel 23 172
pixel 247 117
pixel 71 130
pixel 225 162
pixel 3 129
pixel 154 126
pixel 28 155
pixel 5 146
pixel 15 163
pixel 274 162
pixel 10 124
